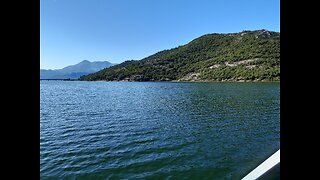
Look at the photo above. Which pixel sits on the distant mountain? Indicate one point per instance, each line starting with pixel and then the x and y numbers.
pixel 242 56
pixel 85 67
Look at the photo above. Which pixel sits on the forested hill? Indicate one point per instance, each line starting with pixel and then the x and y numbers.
pixel 243 56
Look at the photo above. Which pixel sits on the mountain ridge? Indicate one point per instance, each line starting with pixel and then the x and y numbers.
pixel 74 71
pixel 210 57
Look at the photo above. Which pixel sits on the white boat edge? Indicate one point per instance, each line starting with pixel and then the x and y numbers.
pixel 264 167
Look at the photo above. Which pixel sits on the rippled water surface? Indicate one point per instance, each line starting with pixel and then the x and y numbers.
pixel 132 130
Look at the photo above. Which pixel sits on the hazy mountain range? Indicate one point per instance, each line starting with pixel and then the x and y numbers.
pixel 85 67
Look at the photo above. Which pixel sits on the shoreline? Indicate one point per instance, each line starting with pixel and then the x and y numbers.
pixel 176 81
pixel 173 81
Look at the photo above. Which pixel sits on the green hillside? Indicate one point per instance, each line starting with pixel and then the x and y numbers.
pixel 243 56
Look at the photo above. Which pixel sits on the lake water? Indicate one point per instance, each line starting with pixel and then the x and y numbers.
pixel 156 130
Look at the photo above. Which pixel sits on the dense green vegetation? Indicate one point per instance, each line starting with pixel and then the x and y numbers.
pixel 244 56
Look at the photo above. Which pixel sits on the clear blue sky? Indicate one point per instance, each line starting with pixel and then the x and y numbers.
pixel 119 30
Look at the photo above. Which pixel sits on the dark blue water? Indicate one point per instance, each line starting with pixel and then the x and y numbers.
pixel 131 130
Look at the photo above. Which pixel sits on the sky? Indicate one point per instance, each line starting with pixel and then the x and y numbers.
pixel 119 30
